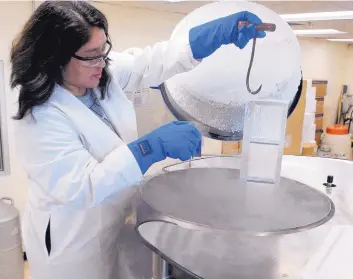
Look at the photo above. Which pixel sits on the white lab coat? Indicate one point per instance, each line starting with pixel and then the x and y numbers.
pixel 80 172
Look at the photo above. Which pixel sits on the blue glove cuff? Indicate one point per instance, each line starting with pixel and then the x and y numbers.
pixel 206 38
pixel 145 148
pixel 146 152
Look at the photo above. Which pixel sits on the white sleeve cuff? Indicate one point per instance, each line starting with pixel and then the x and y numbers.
pixel 123 160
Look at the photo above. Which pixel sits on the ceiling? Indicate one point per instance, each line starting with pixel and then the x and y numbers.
pixel 280 7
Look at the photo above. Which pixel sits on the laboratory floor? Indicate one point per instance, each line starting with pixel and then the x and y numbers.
pixel 27 275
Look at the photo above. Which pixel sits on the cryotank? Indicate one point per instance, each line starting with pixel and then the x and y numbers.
pixel 195 219
pixel 199 219
pixel 11 254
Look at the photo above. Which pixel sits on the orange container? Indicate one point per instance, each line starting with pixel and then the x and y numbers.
pixel 337 129
pixel 336 143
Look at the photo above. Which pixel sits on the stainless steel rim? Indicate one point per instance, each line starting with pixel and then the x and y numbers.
pixel 162 255
pixel 205 156
pixel 199 227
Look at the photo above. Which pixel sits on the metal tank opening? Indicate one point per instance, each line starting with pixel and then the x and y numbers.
pixel 203 223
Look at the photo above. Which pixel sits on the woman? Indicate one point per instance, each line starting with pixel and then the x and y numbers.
pixel 77 131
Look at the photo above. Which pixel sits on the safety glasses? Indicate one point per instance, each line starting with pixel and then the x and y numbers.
pixel 95 61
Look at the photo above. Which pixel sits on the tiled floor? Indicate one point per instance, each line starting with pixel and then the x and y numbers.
pixel 27 276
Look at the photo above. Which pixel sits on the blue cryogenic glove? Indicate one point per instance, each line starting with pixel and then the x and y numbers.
pixel 208 37
pixel 177 140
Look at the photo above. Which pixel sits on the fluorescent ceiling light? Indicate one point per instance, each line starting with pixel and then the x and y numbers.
pixel 318 16
pixel 341 40
pixel 317 32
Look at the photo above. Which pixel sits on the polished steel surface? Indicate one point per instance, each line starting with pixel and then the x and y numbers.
pixel 214 254
pixel 214 198
pixel 160 268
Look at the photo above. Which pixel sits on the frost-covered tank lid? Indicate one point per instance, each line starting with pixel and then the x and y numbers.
pixel 7 210
pixel 214 93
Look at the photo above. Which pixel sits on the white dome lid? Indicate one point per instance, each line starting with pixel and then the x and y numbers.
pixel 215 92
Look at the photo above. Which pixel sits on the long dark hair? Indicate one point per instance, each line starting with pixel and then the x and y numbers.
pixel 55 31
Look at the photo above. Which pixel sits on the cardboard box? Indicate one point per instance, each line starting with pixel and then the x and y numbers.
pixel 321 88
pixel 309 149
pixel 230 148
pixel 294 127
pixel 319 121
pixel 320 106
pixel 318 137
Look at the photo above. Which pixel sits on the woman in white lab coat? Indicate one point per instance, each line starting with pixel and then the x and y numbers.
pixel 76 131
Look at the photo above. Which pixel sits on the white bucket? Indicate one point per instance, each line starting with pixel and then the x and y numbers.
pixel 11 254
pixel 335 145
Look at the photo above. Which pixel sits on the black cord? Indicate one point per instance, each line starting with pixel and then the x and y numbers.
pixel 249 70
pixel 350 121
pixel 343 115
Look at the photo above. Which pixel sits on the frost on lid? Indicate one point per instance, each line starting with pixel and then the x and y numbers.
pixel 215 91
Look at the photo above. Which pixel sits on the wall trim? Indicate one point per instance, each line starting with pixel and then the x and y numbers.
pixel 4 140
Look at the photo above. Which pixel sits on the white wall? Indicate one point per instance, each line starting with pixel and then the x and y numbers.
pixel 348 77
pixel 131 27
pixel 327 60
pixel 12 17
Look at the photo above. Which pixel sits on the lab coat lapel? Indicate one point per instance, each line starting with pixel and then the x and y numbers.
pixel 120 112
pixel 100 139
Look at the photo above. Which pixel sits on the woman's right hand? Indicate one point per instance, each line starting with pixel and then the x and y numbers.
pixel 206 38
pixel 177 140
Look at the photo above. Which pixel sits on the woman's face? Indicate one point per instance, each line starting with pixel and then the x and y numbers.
pixel 82 74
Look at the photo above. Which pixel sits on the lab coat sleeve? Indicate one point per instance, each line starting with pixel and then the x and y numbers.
pixel 142 68
pixel 56 161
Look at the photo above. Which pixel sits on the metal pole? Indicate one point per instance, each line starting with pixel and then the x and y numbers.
pixel 159 267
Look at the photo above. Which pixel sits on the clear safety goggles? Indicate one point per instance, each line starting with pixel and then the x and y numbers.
pixel 95 61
